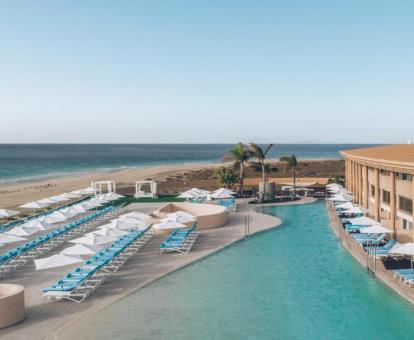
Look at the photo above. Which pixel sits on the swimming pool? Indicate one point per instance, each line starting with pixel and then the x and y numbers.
pixel 292 282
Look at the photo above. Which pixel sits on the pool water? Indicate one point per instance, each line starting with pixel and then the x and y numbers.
pixel 292 282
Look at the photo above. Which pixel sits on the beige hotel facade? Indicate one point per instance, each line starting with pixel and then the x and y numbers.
pixel 381 180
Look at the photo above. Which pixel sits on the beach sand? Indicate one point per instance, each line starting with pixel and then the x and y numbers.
pixel 16 193
pixel 172 179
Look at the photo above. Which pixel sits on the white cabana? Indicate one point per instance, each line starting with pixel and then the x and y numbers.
pixel 22 231
pixel 93 240
pixel 165 225
pixel 70 195
pixel 180 217
pixel 4 238
pixel 139 193
pixel 363 221
pixel 79 250
pixel 57 260
pixel 375 229
pixel 97 186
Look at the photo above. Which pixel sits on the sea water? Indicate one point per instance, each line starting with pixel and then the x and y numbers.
pixel 292 282
pixel 30 161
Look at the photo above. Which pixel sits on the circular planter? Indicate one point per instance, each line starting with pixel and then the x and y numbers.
pixel 12 308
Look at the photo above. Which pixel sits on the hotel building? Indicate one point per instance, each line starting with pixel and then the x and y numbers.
pixel 381 180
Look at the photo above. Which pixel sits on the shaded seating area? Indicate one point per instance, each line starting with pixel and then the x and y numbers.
pixel 19 256
pixel 180 240
pixel 78 284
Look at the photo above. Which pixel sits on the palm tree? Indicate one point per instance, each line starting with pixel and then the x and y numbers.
pixel 260 155
pixel 292 162
pixel 226 177
pixel 239 155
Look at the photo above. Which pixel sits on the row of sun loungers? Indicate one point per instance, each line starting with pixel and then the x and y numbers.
pixel 180 240
pixel 23 254
pixel 83 281
pixel 10 225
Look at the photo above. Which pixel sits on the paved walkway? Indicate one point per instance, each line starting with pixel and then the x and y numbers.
pixel 48 320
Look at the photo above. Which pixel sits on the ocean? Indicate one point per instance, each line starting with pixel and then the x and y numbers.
pixel 19 162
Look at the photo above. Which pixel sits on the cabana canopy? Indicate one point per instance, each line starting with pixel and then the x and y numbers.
pixel 97 186
pixel 139 193
pixel 375 229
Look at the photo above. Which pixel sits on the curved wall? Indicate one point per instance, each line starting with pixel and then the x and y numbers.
pixel 12 309
pixel 208 215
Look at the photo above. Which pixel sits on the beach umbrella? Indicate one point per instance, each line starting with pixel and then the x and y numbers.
pixel 137 216
pixel 4 238
pixel 111 196
pixel 225 190
pixel 363 221
pixel 47 201
pixel 222 193
pixel 346 205
pixel 65 213
pixel 88 191
pixel 375 229
pixel 91 205
pixel 34 205
pixel 406 249
pixel 79 250
pixel 55 217
pixel 70 195
pixel 38 225
pixel 93 240
pixel 180 217
pixel 110 232
pixel 353 210
pixel 127 224
pixel 7 213
pixel 338 198
pixel 77 192
pixel 57 260
pixel 21 231
pixel 165 225
pixel 78 208
pixel 59 198
pixel 69 210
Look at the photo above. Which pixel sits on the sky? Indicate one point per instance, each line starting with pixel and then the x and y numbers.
pixel 212 71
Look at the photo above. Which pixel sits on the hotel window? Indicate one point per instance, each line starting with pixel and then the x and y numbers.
pixel 404 177
pixel 386 196
pixel 384 172
pixel 405 204
pixel 372 190
pixel 407 224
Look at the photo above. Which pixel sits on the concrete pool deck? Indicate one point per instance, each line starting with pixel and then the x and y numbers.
pixel 386 276
pixel 50 319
